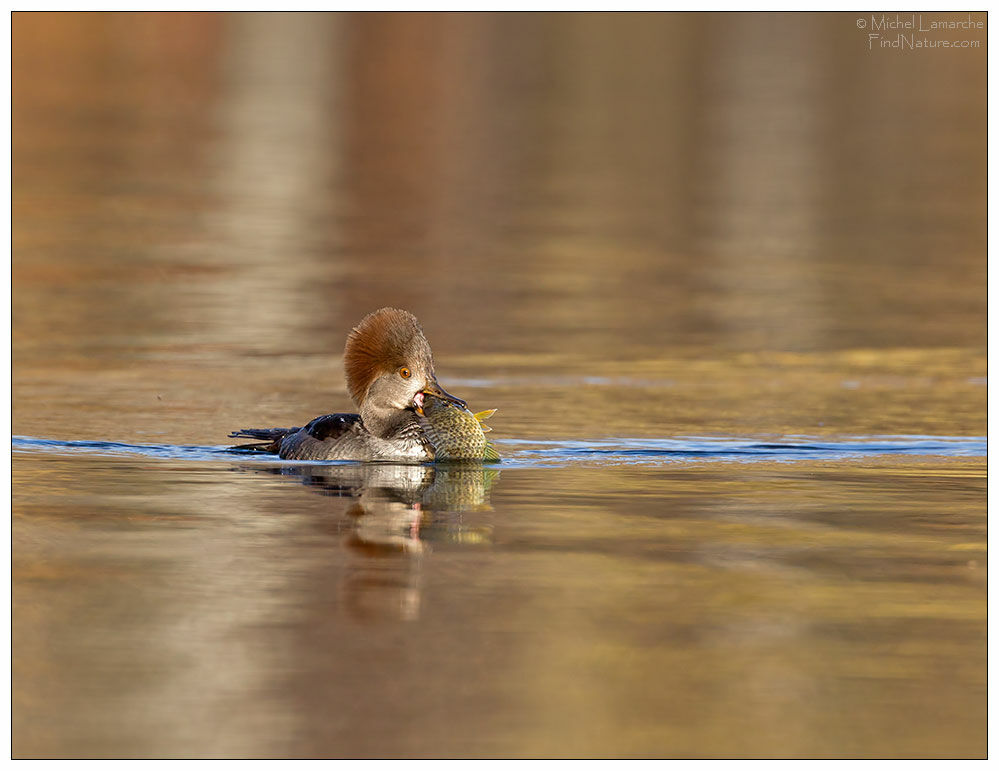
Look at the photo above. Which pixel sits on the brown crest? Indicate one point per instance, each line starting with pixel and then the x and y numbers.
pixel 384 341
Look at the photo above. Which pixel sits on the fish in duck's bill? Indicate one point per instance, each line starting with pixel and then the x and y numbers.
pixel 455 432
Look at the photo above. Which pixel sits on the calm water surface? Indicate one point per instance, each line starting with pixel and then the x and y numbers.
pixel 722 276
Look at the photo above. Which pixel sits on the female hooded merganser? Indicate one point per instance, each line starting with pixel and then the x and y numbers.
pixel 390 372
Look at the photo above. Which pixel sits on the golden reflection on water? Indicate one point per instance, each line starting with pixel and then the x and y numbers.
pixel 609 225
pixel 707 609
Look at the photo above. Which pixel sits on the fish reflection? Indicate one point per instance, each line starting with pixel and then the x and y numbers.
pixel 396 514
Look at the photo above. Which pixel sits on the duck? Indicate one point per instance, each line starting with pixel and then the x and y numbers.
pixel 389 369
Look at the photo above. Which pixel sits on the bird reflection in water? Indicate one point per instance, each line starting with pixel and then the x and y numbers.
pixel 396 514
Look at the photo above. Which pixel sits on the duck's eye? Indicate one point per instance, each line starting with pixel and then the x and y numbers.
pixel 404 373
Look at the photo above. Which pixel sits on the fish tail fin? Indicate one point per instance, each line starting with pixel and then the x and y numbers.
pixel 482 417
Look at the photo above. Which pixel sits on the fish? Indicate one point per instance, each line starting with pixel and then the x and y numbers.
pixel 455 432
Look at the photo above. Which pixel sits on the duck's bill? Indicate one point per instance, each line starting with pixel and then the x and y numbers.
pixel 434 389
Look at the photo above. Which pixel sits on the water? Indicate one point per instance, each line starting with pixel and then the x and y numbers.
pixel 722 276
pixel 226 607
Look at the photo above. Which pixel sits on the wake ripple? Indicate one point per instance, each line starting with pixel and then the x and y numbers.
pixel 523 453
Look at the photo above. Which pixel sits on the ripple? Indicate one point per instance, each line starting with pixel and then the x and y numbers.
pixel 651 451
pixel 529 453
pixel 93 447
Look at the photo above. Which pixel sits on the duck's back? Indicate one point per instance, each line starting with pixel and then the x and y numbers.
pixel 340 436
pixel 328 437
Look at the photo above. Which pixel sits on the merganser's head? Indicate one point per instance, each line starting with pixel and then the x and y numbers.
pixel 389 365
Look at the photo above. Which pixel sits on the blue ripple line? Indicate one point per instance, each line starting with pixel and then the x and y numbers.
pixel 27 443
pixel 630 450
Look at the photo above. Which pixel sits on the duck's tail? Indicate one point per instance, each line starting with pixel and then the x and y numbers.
pixel 268 439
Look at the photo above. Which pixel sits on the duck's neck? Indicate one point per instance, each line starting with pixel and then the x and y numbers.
pixel 388 422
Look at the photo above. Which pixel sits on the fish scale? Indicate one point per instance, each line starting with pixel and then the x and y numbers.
pixel 456 433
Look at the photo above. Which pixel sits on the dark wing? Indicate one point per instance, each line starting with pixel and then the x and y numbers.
pixel 331 426
pixel 321 429
pixel 319 439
